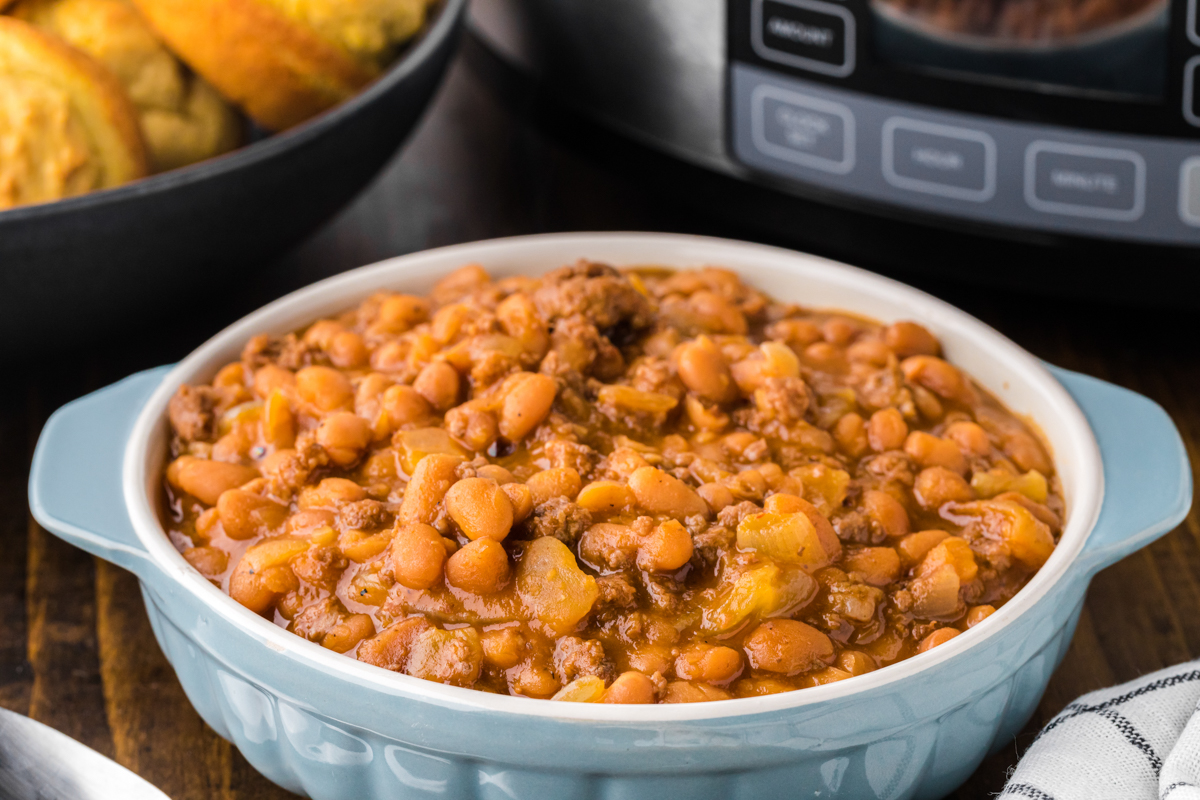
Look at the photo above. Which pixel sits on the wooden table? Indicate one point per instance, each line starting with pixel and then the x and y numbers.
pixel 76 649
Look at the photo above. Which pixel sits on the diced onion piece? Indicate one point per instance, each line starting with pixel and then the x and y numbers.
pixel 786 538
pixel 581 690
pixel 824 486
pixel 416 444
pixel 1028 538
pixel 635 400
pixel 553 588
pixel 998 481
pixel 936 594
pixel 765 591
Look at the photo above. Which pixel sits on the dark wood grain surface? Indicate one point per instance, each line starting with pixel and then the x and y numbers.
pixel 76 650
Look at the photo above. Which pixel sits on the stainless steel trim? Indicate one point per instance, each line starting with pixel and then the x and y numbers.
pixel 653 70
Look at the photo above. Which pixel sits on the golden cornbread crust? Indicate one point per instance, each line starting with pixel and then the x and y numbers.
pixel 183 119
pixel 69 99
pixel 280 72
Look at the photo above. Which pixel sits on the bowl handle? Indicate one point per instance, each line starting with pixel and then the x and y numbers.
pixel 75 485
pixel 1147 477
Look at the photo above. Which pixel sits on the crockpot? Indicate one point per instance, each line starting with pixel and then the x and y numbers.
pixel 327 726
pixel 873 131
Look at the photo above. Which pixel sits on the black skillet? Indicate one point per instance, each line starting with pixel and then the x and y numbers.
pixel 82 266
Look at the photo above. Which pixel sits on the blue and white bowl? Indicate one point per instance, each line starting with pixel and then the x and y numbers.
pixel 327 726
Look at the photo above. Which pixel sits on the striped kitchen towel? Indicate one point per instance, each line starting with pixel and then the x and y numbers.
pixel 1136 741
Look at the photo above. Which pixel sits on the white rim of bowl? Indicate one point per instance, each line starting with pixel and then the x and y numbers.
pixel 341 291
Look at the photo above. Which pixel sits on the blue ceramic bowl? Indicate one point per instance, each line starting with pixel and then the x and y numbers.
pixel 324 725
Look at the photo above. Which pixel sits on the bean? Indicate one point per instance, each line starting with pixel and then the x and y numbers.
pixel 480 508
pixel 262 574
pixel 830 675
pixel 839 330
pixel 666 549
pixel 526 405
pixel 850 433
pixel 438 383
pixel 928 450
pixel 518 317
pixel 937 486
pixel 496 473
pixel 344 436
pixel 877 566
pixel 715 495
pixel 324 387
pixel 910 339
pixel 431 479
pixel 788 647
pixel 660 493
pixel 331 493
pixel 231 375
pixel 703 416
pixel 939 377
pixel 691 692
pixel 245 515
pixel 826 356
pixel 630 687
pixel 970 438
pixel 405 407
pixel 605 497
pixel 977 614
pixel 207 480
pixel 555 482
pixel 462 281
pixel 869 351
pixel 887 512
pixel 209 561
pixel 401 312
pixel 1028 454
pixel 417 556
pixel 940 636
pixel 348 350
pixel 270 377
pixel 717 314
pixel 502 648
pixel 855 662
pixel 346 635
pixel 708 663
pixel 472 425
pixel 886 430
pixel 703 370
pixel 521 499
pixel 480 567
pixel 390 647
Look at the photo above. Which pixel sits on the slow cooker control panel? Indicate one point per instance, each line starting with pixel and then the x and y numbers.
pixel 867 98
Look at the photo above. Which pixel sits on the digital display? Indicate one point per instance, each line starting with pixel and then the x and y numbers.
pixel 1111 47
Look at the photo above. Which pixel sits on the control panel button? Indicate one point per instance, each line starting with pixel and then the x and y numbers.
pixel 804 130
pixel 1193 24
pixel 1191 97
pixel 809 34
pixel 1082 181
pixel 939 159
pixel 1189 191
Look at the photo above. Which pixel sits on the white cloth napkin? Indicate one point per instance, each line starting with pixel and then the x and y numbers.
pixel 1136 741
